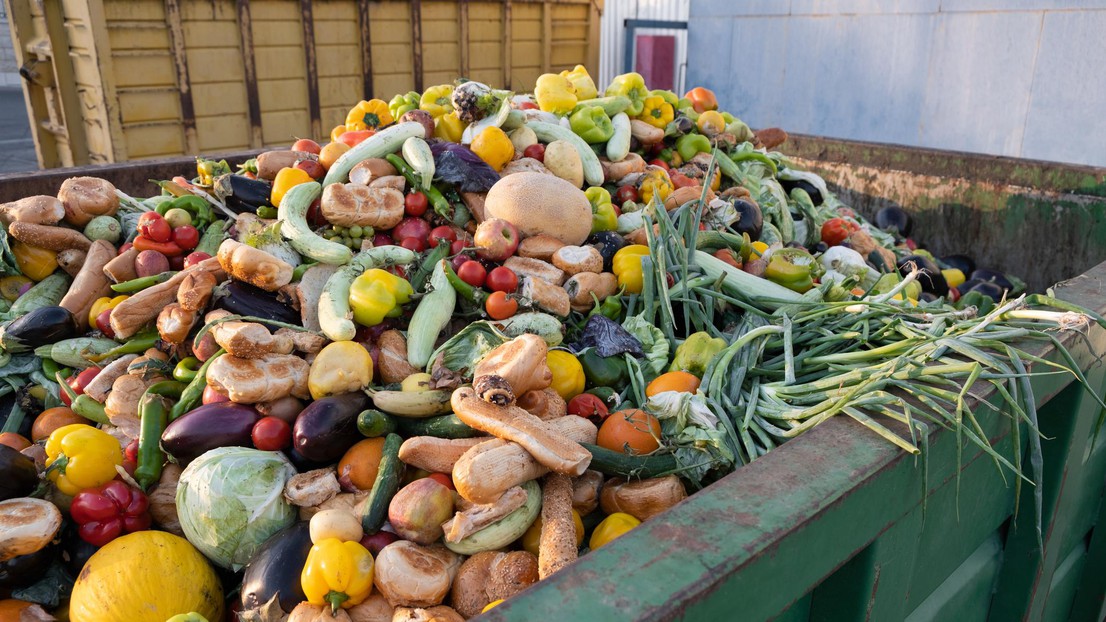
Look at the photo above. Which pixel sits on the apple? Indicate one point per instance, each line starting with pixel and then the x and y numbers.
pixel 496 239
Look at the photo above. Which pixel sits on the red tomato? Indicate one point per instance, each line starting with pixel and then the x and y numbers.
pixel 307 145
pixel 271 434
pixel 679 180
pixel 312 168
pixel 588 406
pixel 186 237
pixel 78 382
pixel 211 396
pixel 500 307
pixel 443 479
pixel 837 230
pixel 473 273
pixel 415 204
pixel 502 279
pixel 661 163
pixel 413 244
pixel 103 323
pixel 528 106
pixel 626 193
pixel 195 258
pixel 443 233
pixel 354 138
pixel 727 256
pixel 536 151
pixel 457 247
pixel 154 227
pixel 411 228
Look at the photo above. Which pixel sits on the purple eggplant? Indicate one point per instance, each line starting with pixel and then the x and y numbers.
pixel 213 425
pixel 328 427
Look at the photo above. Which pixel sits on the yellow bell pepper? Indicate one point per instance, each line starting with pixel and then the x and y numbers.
pixel 711 123
pixel 102 304
pixel 339 574
pixel 368 115
pixel 626 265
pixel 337 132
pixel 79 456
pixel 657 112
pixel 34 262
pixel 378 294
pixel 494 147
pixel 630 85
pixel 449 127
pixel 340 367
pixel 555 93
pixel 582 82
pixel 437 100
pixel 287 178
pixel 568 373
pixel 611 528
pixel 656 182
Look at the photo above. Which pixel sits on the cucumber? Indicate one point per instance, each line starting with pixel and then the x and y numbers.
pixel 292 215
pixel 385 486
pixel 430 317
pixel 618 147
pixel 610 462
pixel 613 105
pixel 549 132
pixel 372 423
pixel 442 426
pixel 417 153
pixel 505 530
pixel 335 316
pixel 380 144
pixel 46 293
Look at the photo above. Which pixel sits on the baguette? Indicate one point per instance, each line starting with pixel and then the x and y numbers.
pixel 129 316
pixel 90 283
pixel 72 261
pixel 546 296
pixel 122 267
pixel 437 455
pixel 254 266
pixel 49 237
pixel 540 247
pixel 536 268
pixel 557 547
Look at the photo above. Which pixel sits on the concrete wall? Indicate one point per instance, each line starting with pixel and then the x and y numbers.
pixel 1023 78
pixel 9 70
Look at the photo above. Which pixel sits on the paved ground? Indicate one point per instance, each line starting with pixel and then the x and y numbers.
pixel 17 148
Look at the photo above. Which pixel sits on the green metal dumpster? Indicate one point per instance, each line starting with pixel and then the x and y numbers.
pixel 839 525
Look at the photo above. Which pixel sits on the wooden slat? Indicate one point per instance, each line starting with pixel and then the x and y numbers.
pixel 463 22
pixel 253 102
pixel 65 83
pixel 180 62
pixel 308 21
pixel 507 32
pixel 416 42
pixel 546 37
pixel 366 48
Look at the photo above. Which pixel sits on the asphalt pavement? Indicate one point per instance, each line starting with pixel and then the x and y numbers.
pixel 17 147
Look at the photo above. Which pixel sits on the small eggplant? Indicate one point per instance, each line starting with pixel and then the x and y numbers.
pixel 986 288
pixel 18 475
pixel 993 276
pixel 275 569
pixel 749 219
pixel 76 550
pixel 607 243
pixel 245 299
pixel 328 427
pixel 895 220
pixel 213 425
pixel 962 263
pixel 242 194
pixel 930 278
pixel 40 327
pixel 815 193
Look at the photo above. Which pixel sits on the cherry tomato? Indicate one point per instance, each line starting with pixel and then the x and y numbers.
pixel 154 227
pixel 473 273
pixel 130 457
pixel 443 233
pixel 354 138
pixel 443 479
pixel 661 163
pixel 502 279
pixel 588 406
pixel 312 168
pixel 271 434
pixel 413 244
pixel 500 307
pixel 195 258
pixel 536 151
pixel 307 145
pixel 626 193
pixel 415 204
pixel 186 237
pixel 837 230
pixel 457 246
pixel 103 323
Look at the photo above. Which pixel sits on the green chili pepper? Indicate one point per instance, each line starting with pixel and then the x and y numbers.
pixel 265 211
pixel 436 254
pixel 441 206
pixel 152 411
pixel 603 371
pixel 51 368
pixel 139 343
pixel 297 273
pixel 195 389
pixel 755 156
pixel 141 283
pixel 466 291
pixel 83 404
pixel 186 369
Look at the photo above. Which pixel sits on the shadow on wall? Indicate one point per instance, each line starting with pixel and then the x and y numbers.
pixel 1020 80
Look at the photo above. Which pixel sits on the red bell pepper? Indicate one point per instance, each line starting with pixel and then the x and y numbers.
pixel 836 230
pixel 103 514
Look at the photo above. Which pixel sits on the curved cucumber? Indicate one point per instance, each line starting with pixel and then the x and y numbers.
pixel 380 144
pixel 548 132
pixel 292 215
pixel 335 316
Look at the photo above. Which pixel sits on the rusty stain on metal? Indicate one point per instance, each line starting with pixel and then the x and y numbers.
pixel 313 106
pixel 416 42
pixel 253 101
pixel 184 84
pixel 366 48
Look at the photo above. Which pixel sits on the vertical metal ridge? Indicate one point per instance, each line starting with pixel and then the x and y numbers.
pixel 253 100
pixel 463 44
pixel 416 41
pixel 184 83
pixel 366 48
pixel 313 107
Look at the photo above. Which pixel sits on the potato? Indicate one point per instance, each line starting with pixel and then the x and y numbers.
pixel 522 138
pixel 562 159
pixel 150 263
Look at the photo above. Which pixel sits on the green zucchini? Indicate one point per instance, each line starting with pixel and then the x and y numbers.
pixel 46 293
pixel 372 423
pixel 385 486
pixel 388 140
pixel 77 352
pixel 617 463
pixel 442 426
pixel 292 214
pixel 430 317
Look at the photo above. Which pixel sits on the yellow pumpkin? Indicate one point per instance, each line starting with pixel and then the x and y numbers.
pixel 146 576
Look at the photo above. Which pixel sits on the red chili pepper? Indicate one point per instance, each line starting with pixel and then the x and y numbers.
pixel 169 249
pixel 103 514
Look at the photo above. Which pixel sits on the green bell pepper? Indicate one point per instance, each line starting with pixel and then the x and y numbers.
pixel 695 353
pixel 793 268
pixel 602 371
pixel 603 217
pixel 403 103
pixel 592 124
pixel 692 145
pixel 630 85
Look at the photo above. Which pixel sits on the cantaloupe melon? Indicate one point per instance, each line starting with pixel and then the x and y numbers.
pixel 541 204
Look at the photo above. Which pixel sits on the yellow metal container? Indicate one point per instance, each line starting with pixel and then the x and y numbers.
pixel 115 80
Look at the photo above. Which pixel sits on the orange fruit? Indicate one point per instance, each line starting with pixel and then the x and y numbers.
pixel 360 464
pixel 15 441
pixel 52 419
pixel 630 431
pixel 680 381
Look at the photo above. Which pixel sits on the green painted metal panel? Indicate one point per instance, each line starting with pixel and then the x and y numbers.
pixel 965 594
pixel 1064 583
